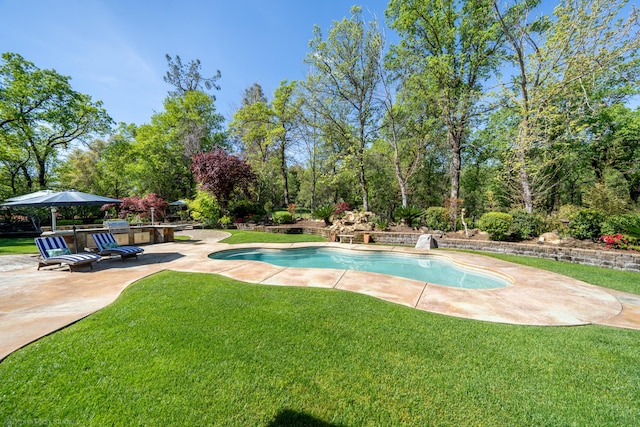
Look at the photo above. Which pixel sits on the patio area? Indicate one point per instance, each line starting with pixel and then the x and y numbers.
pixel 36 303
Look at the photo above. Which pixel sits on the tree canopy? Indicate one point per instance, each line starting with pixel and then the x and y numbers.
pixel 40 115
pixel 478 105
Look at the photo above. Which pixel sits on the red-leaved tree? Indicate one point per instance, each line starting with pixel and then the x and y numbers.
pixel 221 174
pixel 141 206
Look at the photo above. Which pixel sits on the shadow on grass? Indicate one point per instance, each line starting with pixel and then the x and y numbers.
pixel 288 417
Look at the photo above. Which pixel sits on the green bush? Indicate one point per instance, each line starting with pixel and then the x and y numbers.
pixel 382 224
pixel 246 209
pixel 620 224
pixel 497 224
pixel 282 217
pixel 408 214
pixel 437 218
pixel 605 199
pixel 225 221
pixel 204 208
pixel 525 226
pixel 586 224
pixel 324 213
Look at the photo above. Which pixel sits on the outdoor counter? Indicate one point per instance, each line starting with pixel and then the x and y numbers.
pixel 137 235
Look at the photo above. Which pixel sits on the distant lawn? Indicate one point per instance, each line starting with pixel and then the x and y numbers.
pixel 627 281
pixel 242 236
pixel 195 349
pixel 18 245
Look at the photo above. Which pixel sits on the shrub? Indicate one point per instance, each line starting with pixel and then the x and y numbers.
pixel 204 208
pixel 586 224
pixel 244 208
pixel 497 224
pixel 382 224
pixel 620 224
pixel 324 213
pixel 409 214
pixel 525 225
pixel 339 208
pixel 225 221
pixel 616 241
pixel 605 199
pixel 282 217
pixel 437 218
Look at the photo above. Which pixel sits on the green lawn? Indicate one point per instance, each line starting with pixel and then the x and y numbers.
pixel 627 281
pixel 241 236
pixel 17 246
pixel 196 349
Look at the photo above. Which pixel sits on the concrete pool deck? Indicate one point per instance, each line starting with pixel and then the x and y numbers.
pixel 36 303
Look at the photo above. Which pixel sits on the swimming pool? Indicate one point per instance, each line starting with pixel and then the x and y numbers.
pixel 425 268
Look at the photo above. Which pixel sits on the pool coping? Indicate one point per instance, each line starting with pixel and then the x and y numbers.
pixel 536 297
pixel 36 303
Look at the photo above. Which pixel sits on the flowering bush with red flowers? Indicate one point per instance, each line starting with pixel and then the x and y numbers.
pixel 615 241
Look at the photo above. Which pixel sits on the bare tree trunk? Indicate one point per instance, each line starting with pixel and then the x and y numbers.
pixel 456 164
pixel 363 178
pixel 363 188
pixel 283 171
pixel 527 196
pixel 525 182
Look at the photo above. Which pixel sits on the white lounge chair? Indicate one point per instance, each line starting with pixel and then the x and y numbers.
pixel 54 251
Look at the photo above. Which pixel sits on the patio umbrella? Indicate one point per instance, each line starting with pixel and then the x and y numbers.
pixel 61 198
pixel 29 196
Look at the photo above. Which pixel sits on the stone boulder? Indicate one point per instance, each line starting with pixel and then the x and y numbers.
pixel 426 241
pixel 353 221
pixel 550 238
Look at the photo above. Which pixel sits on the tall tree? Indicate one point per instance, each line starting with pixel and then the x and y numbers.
pixel 190 110
pixel 346 64
pixel 222 174
pixel 188 78
pixel 555 59
pixel 408 127
pixel 614 145
pixel 40 114
pixel 448 48
pixel 251 125
pixel 285 118
pixel 253 94
pixel 250 128
pixel 104 167
pixel 196 124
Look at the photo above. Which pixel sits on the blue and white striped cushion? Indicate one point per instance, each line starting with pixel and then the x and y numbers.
pixel 105 239
pixel 45 244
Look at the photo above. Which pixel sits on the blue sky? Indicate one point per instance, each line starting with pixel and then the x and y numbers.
pixel 114 50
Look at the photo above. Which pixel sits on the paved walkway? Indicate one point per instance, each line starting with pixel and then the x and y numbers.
pixel 35 303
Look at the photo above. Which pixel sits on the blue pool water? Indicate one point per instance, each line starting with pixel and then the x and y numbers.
pixel 418 267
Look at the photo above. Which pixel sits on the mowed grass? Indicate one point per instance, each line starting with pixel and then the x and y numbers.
pixel 189 349
pixel 18 245
pixel 627 281
pixel 241 236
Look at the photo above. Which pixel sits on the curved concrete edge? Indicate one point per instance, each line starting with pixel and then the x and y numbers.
pixel 36 303
pixel 536 297
pixel 629 317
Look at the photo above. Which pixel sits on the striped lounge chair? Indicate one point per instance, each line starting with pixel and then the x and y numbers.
pixel 54 251
pixel 107 245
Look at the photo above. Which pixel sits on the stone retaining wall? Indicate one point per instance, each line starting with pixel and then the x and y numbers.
pixel 619 260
